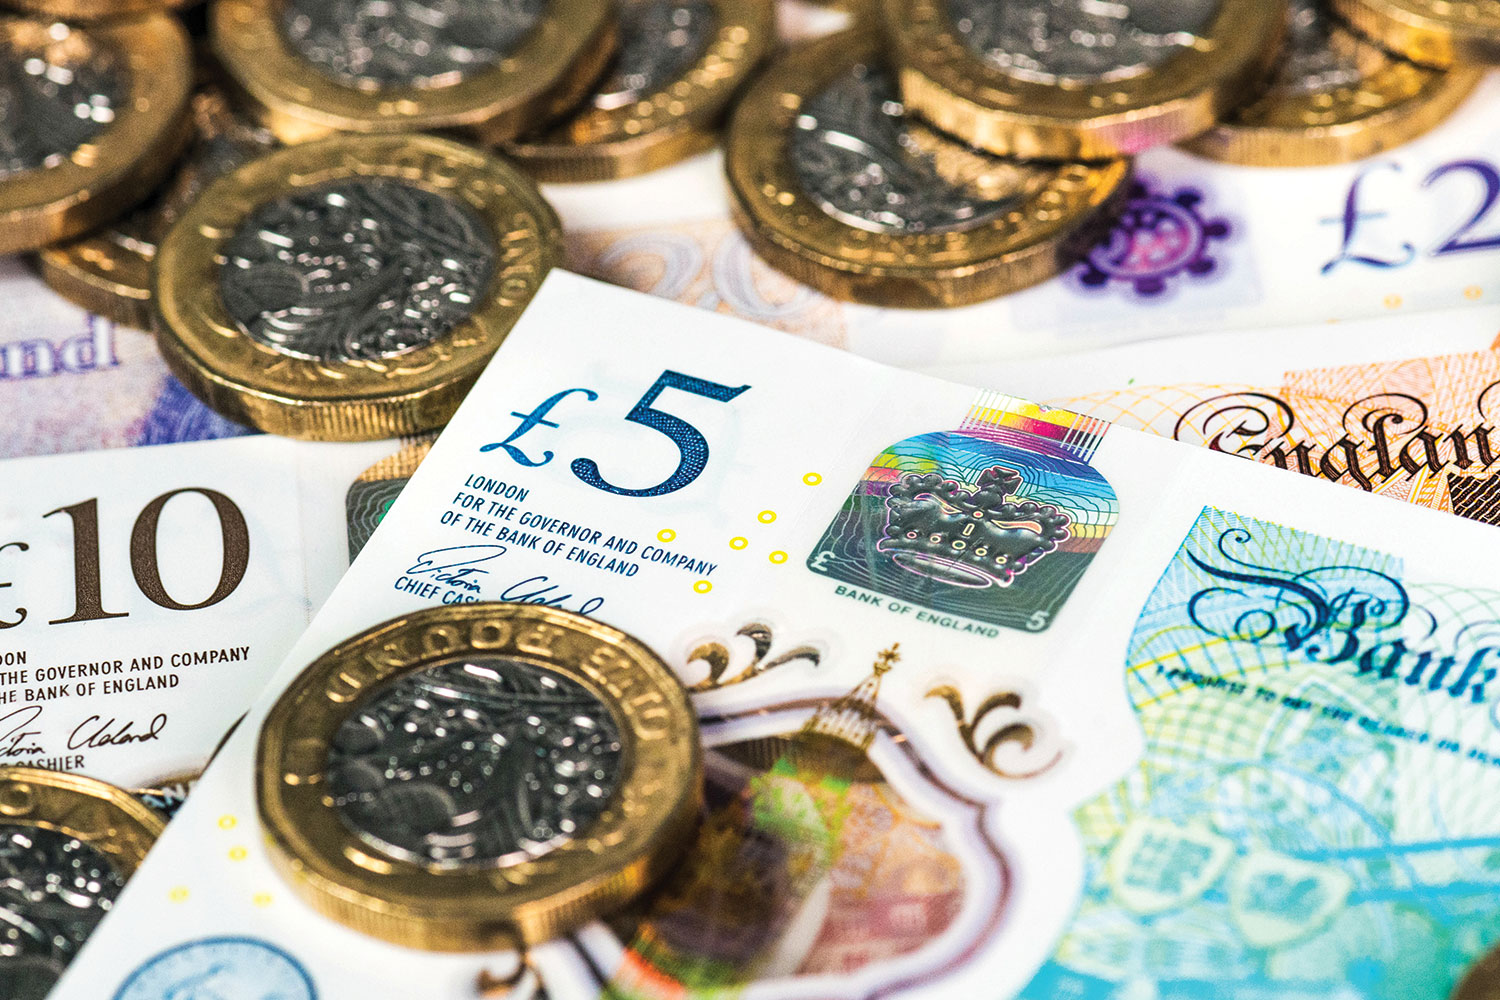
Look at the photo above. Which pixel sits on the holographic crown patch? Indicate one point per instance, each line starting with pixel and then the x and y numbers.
pixel 996 521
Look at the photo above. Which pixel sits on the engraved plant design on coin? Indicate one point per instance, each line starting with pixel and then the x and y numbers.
pixel 484 761
pixel 54 890
pixel 375 44
pixel 1080 41
pixel 659 41
pixel 862 162
pixel 58 90
pixel 356 271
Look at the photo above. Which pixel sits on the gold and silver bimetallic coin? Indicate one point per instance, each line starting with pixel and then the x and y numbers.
pixel 94 10
pixel 1431 32
pixel 91 120
pixel 1336 97
pixel 835 185
pixel 67 846
pixel 491 68
pixel 109 271
pixel 352 288
pixel 679 64
pixel 1079 78
pixel 479 776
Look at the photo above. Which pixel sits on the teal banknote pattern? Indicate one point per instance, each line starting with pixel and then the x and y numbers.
pixel 1317 809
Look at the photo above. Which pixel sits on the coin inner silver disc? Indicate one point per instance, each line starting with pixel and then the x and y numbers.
pixel 1080 41
pixel 1310 60
pixel 376 44
pixel 360 270
pixel 659 41
pixel 54 890
pixel 57 92
pixel 477 762
pixel 858 158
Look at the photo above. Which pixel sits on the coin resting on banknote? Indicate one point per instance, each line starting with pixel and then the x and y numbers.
pixel 109 272
pixel 1076 78
pixel 67 846
pixel 478 776
pixel 90 120
pixel 679 64
pixel 489 68
pixel 352 288
pixel 1434 32
pixel 833 184
pixel 1336 97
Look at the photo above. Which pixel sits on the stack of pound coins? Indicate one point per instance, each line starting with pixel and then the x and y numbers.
pixel 264 190
pixel 943 152
pixel 258 182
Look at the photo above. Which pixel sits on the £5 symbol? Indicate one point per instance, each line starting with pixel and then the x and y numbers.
pixel 692 447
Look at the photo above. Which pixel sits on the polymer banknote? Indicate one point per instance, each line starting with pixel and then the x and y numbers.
pixel 1345 403
pixel 72 381
pixel 1100 715
pixel 1200 246
pixel 147 595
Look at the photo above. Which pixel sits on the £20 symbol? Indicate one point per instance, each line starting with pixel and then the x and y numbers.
pixel 88 599
pixel 692 447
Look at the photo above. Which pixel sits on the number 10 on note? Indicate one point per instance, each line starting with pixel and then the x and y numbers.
pixel 142 558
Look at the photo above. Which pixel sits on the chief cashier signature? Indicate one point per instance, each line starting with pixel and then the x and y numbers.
pixel 456 564
pixel 15 738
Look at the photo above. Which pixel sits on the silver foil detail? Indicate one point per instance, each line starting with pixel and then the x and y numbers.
pixel 1080 41
pixel 356 271
pixel 375 44
pixel 54 890
pixel 659 41
pixel 859 159
pixel 480 762
pixel 55 95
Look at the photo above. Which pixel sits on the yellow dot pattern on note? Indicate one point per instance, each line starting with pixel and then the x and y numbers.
pixel 738 542
pixel 702 587
pixel 1392 302
pixel 778 557
pixel 666 535
pixel 238 854
pixel 227 822
pixel 766 516
pixel 261 899
pixel 178 894
pixel 812 479
pixel 1473 292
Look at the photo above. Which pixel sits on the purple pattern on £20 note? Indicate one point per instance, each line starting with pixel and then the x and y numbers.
pixel 1163 237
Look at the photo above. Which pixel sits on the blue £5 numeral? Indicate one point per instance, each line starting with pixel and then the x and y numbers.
pixel 691 445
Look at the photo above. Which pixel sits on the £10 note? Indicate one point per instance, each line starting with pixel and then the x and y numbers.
pixel 145 596
pixel 994 698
